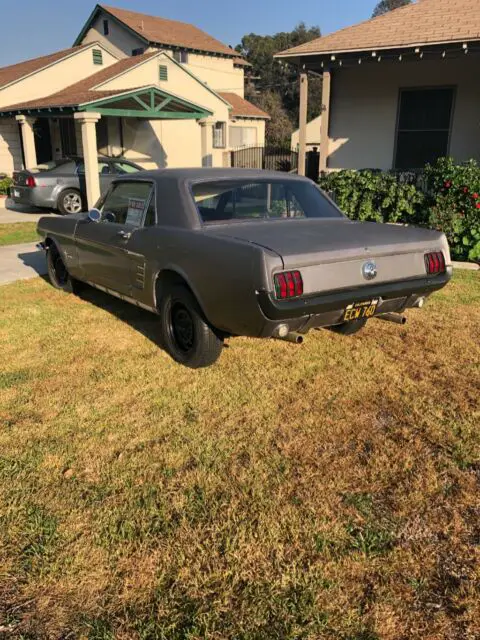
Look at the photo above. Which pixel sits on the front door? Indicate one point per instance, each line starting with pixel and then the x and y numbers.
pixel 102 247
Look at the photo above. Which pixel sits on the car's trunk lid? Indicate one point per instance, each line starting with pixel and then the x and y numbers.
pixel 331 253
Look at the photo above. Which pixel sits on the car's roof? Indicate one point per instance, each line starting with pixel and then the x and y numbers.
pixel 100 157
pixel 200 174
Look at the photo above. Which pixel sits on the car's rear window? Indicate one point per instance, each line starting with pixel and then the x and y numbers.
pixel 226 200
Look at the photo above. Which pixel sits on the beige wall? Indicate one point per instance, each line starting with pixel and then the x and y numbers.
pixel 365 104
pixel 119 40
pixel 55 77
pixel 254 123
pixel 313 134
pixel 10 146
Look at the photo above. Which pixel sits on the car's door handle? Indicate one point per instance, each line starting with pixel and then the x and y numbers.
pixel 126 235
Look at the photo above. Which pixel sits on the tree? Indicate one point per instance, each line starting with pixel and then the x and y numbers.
pixel 270 77
pixel 384 6
pixel 279 128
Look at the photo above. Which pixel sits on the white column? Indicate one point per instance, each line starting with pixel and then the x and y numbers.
pixel 302 124
pixel 90 155
pixel 325 121
pixel 28 141
pixel 207 141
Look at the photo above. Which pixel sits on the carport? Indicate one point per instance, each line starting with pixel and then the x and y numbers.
pixel 88 107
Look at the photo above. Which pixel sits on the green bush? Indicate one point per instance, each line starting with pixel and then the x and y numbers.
pixel 5 183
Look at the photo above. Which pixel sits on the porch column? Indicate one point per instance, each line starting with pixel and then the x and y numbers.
pixel 90 155
pixel 302 125
pixel 325 121
pixel 28 141
pixel 206 125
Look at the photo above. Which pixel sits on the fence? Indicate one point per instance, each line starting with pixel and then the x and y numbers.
pixel 269 158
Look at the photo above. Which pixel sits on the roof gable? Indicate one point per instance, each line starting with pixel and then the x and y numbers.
pixel 161 31
pixel 422 23
pixel 241 108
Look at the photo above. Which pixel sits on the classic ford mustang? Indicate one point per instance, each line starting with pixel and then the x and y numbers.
pixel 224 252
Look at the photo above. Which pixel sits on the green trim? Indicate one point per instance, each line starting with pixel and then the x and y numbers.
pixel 151 115
pixel 141 102
pixel 160 106
pixel 97 55
pixel 163 73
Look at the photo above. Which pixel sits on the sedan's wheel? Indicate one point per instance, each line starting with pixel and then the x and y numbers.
pixel 349 328
pixel 58 274
pixel 186 336
pixel 70 201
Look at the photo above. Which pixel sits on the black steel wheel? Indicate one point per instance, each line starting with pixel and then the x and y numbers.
pixel 58 273
pixel 186 335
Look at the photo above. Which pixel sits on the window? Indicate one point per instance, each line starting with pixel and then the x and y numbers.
pixel 242 136
pixel 97 56
pixel 124 167
pixel 181 56
pixel 126 202
pixel 106 30
pixel 150 216
pixel 138 51
pixel 424 122
pixel 103 168
pixel 219 129
pixel 163 72
pixel 243 200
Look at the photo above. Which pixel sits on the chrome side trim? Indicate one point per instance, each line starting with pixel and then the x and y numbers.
pixel 122 296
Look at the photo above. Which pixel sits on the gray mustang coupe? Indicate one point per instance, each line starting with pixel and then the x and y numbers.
pixel 217 253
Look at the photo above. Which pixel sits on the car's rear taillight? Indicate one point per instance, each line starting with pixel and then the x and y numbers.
pixel 435 263
pixel 288 284
pixel 30 181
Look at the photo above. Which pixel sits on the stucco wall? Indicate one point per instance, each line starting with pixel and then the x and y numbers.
pixel 55 77
pixel 10 146
pixel 365 105
pixel 255 123
pixel 313 134
pixel 119 40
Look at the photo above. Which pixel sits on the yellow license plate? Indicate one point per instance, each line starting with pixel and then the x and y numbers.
pixel 360 310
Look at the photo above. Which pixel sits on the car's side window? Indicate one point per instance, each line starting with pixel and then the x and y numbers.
pixel 123 167
pixel 103 168
pixel 150 216
pixel 126 203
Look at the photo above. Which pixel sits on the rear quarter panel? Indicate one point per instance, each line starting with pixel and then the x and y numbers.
pixel 61 230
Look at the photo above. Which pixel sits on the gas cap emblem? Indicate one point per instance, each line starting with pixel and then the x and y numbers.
pixel 369 270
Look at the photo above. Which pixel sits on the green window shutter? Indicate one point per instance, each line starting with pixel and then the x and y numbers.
pixel 163 72
pixel 97 56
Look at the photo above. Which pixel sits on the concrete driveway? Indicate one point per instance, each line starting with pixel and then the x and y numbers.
pixel 20 262
pixel 11 212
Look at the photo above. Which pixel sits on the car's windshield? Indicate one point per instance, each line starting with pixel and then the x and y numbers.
pixel 224 200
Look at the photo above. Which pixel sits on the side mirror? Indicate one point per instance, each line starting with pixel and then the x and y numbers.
pixel 94 215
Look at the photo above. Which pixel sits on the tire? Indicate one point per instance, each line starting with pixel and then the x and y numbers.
pixel 185 334
pixel 349 328
pixel 58 274
pixel 70 201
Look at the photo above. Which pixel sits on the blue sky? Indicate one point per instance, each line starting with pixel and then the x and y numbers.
pixel 32 28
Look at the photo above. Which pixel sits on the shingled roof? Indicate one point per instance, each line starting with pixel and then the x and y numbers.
pixel 169 32
pixel 242 108
pixel 20 70
pixel 426 22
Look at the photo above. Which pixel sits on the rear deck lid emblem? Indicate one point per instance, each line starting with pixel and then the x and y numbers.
pixel 369 270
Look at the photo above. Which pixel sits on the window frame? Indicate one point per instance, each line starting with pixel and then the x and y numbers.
pixel 97 56
pixel 106 27
pixel 182 54
pixel 162 68
pixel 224 137
pixel 450 87
pixel 153 194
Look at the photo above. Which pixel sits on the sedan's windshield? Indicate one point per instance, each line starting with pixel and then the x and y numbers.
pixel 225 200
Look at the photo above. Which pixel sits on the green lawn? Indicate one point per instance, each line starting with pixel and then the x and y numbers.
pixel 18 232
pixel 324 491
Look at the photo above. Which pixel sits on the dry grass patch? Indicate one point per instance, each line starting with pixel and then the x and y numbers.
pixel 327 491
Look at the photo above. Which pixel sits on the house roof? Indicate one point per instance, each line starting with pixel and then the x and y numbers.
pixel 20 70
pixel 422 23
pixel 241 62
pixel 164 32
pixel 84 90
pixel 241 108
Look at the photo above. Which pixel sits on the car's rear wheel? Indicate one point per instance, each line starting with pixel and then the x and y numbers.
pixel 349 328
pixel 70 201
pixel 58 273
pixel 186 335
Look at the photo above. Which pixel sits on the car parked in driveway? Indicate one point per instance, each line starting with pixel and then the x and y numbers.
pixel 60 184
pixel 227 252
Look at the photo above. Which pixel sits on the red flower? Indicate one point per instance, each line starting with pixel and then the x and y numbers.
pixel 475 196
pixel 478 205
pixel 448 184
pixel 465 189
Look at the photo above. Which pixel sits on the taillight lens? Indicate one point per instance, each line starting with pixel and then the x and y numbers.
pixel 288 285
pixel 435 263
pixel 30 181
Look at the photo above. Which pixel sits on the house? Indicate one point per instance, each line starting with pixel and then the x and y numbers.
pixel 399 90
pixel 159 92
pixel 313 135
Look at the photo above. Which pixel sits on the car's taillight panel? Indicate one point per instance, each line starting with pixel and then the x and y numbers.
pixel 30 181
pixel 435 263
pixel 288 284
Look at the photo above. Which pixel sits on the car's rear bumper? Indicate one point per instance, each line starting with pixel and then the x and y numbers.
pixel 33 196
pixel 327 309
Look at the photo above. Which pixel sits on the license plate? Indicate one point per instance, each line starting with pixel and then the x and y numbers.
pixel 360 310
pixel 16 193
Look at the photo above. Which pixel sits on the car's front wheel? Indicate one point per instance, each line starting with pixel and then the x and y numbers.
pixel 70 201
pixel 186 335
pixel 58 273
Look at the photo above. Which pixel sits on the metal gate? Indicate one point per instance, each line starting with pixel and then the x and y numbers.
pixel 269 158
